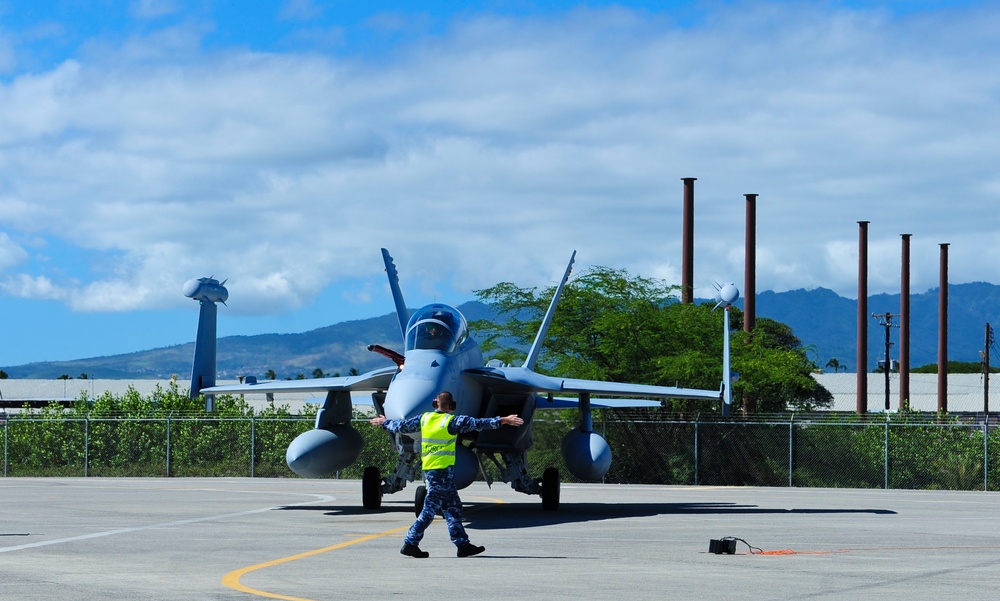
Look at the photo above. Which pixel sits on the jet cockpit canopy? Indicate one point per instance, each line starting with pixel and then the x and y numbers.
pixel 436 327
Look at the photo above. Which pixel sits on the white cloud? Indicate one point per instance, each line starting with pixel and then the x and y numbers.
pixel 490 152
pixel 152 9
pixel 40 288
pixel 299 10
pixel 11 253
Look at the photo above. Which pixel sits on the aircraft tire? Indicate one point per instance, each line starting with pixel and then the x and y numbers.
pixel 418 500
pixel 371 488
pixel 550 489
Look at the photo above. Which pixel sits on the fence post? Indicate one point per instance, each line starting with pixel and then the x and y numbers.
pixel 986 453
pixel 6 444
pixel 168 446
pixel 86 446
pixel 696 449
pixel 791 422
pixel 886 451
pixel 253 442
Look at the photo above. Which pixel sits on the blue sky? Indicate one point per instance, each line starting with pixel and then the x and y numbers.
pixel 146 143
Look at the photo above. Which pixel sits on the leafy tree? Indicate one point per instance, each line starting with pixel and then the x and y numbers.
pixel 83 376
pixel 270 375
pixel 955 367
pixel 835 364
pixel 353 372
pixel 318 373
pixel 614 326
pixel 775 373
pixel 3 375
pixel 65 377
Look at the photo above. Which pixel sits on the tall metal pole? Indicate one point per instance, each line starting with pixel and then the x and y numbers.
pixel 886 321
pixel 750 267
pixel 862 382
pixel 904 326
pixel 986 372
pixel 942 384
pixel 727 394
pixel 687 255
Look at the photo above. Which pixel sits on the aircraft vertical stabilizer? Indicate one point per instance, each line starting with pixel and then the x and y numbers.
pixel 397 295
pixel 208 292
pixel 536 346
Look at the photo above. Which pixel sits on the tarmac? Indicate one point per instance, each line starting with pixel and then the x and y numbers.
pixel 239 539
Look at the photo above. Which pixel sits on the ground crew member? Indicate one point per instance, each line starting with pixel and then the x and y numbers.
pixel 439 432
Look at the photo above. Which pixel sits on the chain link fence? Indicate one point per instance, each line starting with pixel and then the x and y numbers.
pixel 913 452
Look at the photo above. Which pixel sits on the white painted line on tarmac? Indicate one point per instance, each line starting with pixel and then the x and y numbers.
pixel 211 518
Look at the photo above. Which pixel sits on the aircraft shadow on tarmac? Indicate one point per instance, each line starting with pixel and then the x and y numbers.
pixel 493 516
pixel 498 517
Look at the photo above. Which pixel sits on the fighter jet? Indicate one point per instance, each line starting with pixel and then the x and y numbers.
pixel 439 354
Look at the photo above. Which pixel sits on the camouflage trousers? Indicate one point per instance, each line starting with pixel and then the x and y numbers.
pixel 442 497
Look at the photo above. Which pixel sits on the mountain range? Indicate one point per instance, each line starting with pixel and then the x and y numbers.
pixel 825 322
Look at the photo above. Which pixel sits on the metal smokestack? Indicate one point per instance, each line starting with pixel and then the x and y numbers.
pixel 750 267
pixel 687 257
pixel 942 385
pixel 904 325
pixel 862 400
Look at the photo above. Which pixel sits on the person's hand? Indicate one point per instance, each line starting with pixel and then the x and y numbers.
pixel 511 420
pixel 377 421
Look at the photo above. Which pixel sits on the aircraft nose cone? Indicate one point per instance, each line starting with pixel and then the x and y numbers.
pixel 410 397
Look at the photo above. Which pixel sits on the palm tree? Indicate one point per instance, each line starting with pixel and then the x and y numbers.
pixel 835 364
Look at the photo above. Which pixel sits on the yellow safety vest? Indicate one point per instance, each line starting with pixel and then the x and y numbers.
pixel 437 444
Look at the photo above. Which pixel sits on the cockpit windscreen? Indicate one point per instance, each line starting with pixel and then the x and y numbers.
pixel 436 327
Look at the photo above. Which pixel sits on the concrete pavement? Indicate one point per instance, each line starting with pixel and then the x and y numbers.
pixel 296 539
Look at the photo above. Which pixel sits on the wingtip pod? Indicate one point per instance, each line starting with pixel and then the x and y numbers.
pixel 206 290
pixel 726 294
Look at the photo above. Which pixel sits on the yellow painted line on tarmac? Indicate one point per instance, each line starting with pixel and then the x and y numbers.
pixel 232 579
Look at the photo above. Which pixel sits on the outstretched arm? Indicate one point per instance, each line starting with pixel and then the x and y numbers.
pixel 405 426
pixel 464 423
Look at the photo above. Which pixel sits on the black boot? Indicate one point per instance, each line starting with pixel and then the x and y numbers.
pixel 469 549
pixel 413 551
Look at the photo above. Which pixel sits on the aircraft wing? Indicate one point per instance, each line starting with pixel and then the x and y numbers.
pixel 525 380
pixel 598 403
pixel 377 379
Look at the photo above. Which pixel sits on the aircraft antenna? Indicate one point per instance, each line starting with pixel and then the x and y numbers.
pixel 536 346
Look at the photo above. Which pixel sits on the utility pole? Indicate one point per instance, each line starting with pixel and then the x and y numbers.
pixel 986 371
pixel 886 322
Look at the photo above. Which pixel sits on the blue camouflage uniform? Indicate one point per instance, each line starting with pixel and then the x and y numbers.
pixel 442 496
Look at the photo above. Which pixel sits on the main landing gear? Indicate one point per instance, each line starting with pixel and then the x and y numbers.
pixel 550 489
pixel 418 500
pixel 371 488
